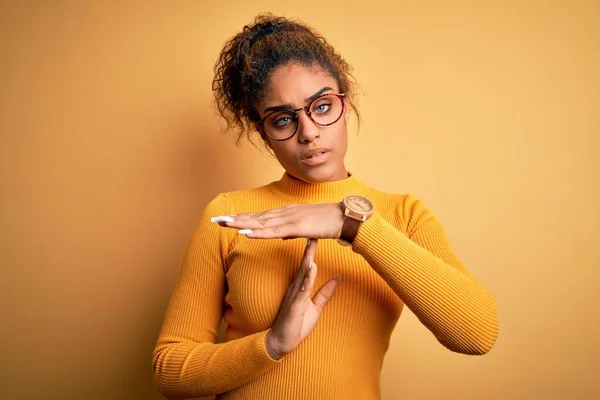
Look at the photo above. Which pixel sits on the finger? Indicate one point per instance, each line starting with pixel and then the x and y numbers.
pixel 265 219
pixel 296 284
pixel 289 230
pixel 310 251
pixel 307 258
pixel 308 283
pixel 222 219
pixel 266 213
pixel 326 292
pixel 260 223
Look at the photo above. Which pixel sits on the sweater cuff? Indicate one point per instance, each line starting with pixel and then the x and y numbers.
pixel 247 360
pixel 262 336
pixel 372 230
pixel 256 352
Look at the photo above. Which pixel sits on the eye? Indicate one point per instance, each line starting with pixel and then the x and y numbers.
pixel 283 121
pixel 322 108
pixel 280 120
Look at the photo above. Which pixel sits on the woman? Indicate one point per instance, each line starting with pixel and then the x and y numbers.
pixel 303 323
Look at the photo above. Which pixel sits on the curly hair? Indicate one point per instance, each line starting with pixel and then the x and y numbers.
pixel 247 60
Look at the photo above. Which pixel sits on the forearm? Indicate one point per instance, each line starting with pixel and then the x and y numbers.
pixel 186 360
pixel 456 308
pixel 191 369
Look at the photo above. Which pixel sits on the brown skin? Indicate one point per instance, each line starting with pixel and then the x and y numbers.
pixel 293 84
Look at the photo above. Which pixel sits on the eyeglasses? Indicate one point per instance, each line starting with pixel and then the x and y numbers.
pixel 324 110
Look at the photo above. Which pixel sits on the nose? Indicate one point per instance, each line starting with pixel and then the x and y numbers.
pixel 308 131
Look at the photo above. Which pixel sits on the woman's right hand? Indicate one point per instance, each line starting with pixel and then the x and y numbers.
pixel 298 313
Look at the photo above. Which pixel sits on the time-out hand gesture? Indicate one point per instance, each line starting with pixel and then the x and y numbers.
pixel 298 313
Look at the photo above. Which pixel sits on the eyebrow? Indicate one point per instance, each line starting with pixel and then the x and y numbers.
pixel 290 107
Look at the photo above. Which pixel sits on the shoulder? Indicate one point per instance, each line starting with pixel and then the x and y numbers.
pixel 241 201
pixel 227 203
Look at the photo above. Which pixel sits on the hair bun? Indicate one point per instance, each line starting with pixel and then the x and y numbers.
pixel 262 30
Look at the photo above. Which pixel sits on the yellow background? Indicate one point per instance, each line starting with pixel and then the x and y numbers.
pixel 109 149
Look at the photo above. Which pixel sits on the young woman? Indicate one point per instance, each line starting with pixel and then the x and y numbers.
pixel 304 323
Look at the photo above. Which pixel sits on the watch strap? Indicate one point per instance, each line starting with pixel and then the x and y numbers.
pixel 350 229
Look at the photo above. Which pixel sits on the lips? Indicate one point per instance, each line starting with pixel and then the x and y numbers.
pixel 316 152
pixel 316 156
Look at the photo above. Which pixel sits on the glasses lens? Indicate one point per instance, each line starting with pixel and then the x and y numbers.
pixel 326 110
pixel 281 125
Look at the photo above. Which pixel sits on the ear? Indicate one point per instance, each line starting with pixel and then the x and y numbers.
pixel 346 114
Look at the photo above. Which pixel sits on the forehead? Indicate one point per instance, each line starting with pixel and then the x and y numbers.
pixel 294 83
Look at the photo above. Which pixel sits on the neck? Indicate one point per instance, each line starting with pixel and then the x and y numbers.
pixel 297 190
pixel 337 177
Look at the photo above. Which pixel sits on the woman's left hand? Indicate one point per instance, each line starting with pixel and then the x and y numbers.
pixel 314 221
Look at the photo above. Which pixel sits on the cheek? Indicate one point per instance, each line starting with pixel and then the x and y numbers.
pixel 283 152
pixel 341 133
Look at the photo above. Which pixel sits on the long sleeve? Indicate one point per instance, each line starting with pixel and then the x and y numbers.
pixel 423 271
pixel 186 360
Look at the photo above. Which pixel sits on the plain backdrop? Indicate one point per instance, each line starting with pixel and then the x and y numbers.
pixel 110 148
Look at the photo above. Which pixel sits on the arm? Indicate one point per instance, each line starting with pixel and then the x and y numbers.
pixel 423 271
pixel 186 360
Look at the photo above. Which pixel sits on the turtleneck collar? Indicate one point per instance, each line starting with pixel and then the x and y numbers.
pixel 299 191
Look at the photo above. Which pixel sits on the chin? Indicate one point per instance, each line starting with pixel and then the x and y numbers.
pixel 322 173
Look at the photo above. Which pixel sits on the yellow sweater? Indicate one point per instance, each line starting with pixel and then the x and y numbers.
pixel 400 256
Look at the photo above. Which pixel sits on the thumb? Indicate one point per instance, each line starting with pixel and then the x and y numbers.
pixel 326 292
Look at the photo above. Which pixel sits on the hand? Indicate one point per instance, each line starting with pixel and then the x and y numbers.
pixel 298 314
pixel 319 221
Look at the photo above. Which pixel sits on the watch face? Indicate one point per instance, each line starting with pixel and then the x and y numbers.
pixel 359 204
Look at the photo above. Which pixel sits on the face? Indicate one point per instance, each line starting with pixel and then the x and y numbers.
pixel 293 86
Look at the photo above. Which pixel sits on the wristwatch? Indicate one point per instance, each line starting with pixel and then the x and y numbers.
pixel 357 209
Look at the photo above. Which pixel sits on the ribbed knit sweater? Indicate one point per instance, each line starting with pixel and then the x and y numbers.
pixel 401 256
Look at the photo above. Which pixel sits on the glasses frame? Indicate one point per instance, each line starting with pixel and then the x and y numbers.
pixel 306 108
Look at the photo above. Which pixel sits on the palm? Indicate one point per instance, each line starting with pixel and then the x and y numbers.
pixel 300 325
pixel 311 317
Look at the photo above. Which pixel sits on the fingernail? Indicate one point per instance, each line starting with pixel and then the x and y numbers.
pixel 303 289
pixel 337 278
pixel 245 231
pixel 308 242
pixel 222 218
pixel 310 264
